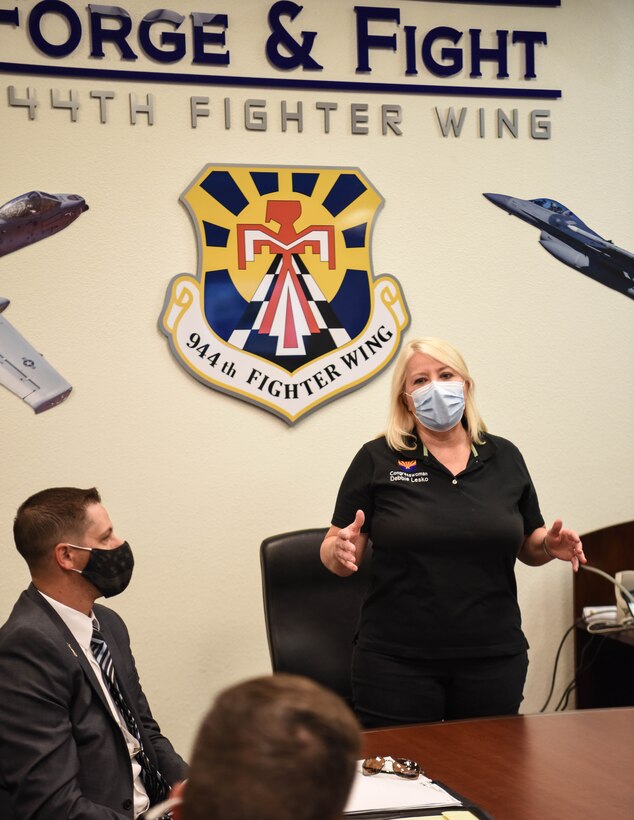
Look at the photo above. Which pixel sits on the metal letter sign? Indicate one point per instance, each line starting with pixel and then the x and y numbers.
pixel 285 311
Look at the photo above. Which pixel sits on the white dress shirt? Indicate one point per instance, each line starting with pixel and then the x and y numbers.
pixel 80 626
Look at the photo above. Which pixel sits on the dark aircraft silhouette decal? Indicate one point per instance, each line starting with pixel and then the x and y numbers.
pixel 24 220
pixel 572 242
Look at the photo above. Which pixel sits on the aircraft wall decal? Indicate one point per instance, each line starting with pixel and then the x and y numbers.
pixel 24 220
pixel 572 242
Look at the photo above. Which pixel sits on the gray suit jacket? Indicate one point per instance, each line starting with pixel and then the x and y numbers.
pixel 62 755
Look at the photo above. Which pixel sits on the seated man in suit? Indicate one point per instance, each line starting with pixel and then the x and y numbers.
pixel 274 748
pixel 78 738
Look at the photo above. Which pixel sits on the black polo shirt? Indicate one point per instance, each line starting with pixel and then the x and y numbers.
pixel 444 548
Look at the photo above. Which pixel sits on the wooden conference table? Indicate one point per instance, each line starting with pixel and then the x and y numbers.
pixel 560 766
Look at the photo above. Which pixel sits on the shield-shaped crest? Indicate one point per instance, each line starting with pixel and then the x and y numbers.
pixel 285 311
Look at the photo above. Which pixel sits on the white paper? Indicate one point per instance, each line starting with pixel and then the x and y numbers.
pixel 387 791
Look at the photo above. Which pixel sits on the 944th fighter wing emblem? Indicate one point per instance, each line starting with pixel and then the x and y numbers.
pixel 285 311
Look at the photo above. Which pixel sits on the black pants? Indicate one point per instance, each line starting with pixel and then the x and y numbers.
pixel 391 691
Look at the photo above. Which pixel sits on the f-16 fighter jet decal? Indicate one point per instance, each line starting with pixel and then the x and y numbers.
pixel 572 242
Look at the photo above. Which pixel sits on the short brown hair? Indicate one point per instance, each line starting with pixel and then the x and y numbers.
pixel 49 517
pixel 280 747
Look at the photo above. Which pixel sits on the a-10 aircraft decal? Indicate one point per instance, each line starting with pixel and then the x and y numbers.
pixel 571 241
pixel 24 220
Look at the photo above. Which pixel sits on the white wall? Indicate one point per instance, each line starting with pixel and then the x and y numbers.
pixel 195 479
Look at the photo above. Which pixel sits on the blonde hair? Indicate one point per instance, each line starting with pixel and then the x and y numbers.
pixel 400 426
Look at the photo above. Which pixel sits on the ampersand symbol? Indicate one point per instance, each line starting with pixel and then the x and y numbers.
pixel 298 52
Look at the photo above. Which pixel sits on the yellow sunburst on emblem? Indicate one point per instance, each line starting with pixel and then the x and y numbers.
pixel 248 207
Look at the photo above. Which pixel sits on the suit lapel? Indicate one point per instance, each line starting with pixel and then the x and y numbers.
pixel 68 643
pixel 59 630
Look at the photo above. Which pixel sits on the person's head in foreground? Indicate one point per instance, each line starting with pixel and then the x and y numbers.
pixel 280 747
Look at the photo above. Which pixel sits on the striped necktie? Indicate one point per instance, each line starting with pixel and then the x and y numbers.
pixel 154 782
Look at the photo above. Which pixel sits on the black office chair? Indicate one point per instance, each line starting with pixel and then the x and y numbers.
pixel 311 615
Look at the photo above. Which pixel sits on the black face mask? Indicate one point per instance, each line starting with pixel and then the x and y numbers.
pixel 109 570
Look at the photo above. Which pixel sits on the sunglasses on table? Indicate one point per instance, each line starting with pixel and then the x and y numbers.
pixel 400 766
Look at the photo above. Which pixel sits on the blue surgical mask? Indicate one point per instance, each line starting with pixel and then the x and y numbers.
pixel 439 406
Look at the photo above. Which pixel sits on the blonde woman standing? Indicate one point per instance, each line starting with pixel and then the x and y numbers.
pixel 448 508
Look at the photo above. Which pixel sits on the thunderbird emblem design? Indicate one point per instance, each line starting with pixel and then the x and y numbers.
pixel 285 311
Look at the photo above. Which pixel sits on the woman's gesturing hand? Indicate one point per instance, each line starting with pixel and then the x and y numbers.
pixel 564 544
pixel 345 546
